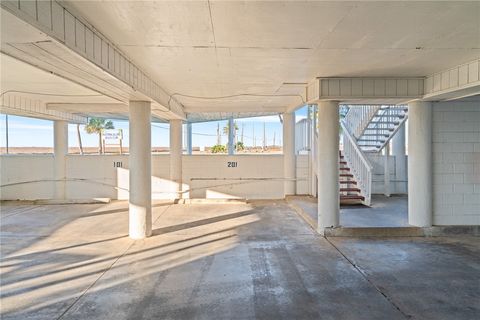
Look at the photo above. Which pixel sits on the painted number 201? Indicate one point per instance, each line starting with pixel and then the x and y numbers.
pixel 232 164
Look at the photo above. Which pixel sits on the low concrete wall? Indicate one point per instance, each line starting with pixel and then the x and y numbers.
pixel 397 186
pixel 30 177
pixel 26 177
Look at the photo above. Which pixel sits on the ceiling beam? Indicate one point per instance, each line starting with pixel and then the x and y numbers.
pixel 107 70
pixel 25 106
pixel 458 82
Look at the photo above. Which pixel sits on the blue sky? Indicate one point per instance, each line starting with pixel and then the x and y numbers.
pixel 30 132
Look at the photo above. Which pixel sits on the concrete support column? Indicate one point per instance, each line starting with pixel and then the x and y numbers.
pixel 399 152
pixel 60 146
pixel 140 200
pixel 176 156
pixel 420 211
pixel 386 170
pixel 231 136
pixel 289 159
pixel 189 138
pixel 328 166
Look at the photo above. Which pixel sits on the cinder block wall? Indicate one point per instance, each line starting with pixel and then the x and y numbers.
pixel 456 163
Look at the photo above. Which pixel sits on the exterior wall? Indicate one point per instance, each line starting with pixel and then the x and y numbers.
pixel 378 176
pixel 456 163
pixel 106 176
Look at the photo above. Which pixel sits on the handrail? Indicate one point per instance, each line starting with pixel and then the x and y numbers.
pixel 355 145
pixel 359 164
pixel 358 117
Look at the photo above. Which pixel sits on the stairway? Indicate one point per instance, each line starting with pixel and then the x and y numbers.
pixel 373 135
pixel 350 193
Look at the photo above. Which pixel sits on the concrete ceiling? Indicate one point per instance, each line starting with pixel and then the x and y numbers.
pixel 224 48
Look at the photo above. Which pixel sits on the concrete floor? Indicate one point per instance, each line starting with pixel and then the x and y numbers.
pixel 384 212
pixel 224 261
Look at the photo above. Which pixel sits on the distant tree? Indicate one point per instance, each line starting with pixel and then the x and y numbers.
pixel 226 128
pixel 79 137
pixel 97 125
pixel 239 146
pixel 219 148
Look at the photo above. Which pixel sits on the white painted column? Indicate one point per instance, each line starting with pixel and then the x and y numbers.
pixel 189 138
pixel 140 200
pixel 328 166
pixel 420 164
pixel 60 150
pixel 231 136
pixel 386 170
pixel 399 152
pixel 176 156
pixel 289 159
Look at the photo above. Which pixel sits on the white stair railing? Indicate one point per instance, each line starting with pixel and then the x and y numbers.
pixel 358 163
pixel 358 118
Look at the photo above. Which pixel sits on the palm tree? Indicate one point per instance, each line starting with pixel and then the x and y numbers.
pixel 79 137
pixel 235 129
pixel 97 125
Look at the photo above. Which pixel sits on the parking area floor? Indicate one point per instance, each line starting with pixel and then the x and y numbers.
pixel 383 212
pixel 256 260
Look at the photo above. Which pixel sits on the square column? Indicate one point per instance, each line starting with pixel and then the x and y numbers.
pixel 140 164
pixel 399 152
pixel 176 156
pixel 289 159
pixel 60 150
pixel 189 138
pixel 231 136
pixel 420 212
pixel 328 166
pixel 386 171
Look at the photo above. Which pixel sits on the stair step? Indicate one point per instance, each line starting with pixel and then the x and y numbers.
pixel 395 115
pixel 370 140
pixel 345 169
pixel 343 162
pixel 352 197
pixel 375 135
pixel 385 122
pixel 347 182
pixel 393 108
pixel 368 144
pixel 349 190
pixel 379 129
pixel 346 175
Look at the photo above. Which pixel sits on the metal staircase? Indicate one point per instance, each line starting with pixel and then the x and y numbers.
pixel 368 129
pixel 374 126
pixel 365 129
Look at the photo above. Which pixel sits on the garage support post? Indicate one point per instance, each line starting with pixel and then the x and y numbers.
pixel 420 212
pixel 140 200
pixel 176 157
pixel 328 165
pixel 289 159
pixel 60 146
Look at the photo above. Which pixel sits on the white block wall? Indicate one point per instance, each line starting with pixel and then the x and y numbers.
pixel 95 176
pixel 456 163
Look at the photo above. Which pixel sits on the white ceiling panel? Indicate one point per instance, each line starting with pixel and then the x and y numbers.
pixel 220 48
